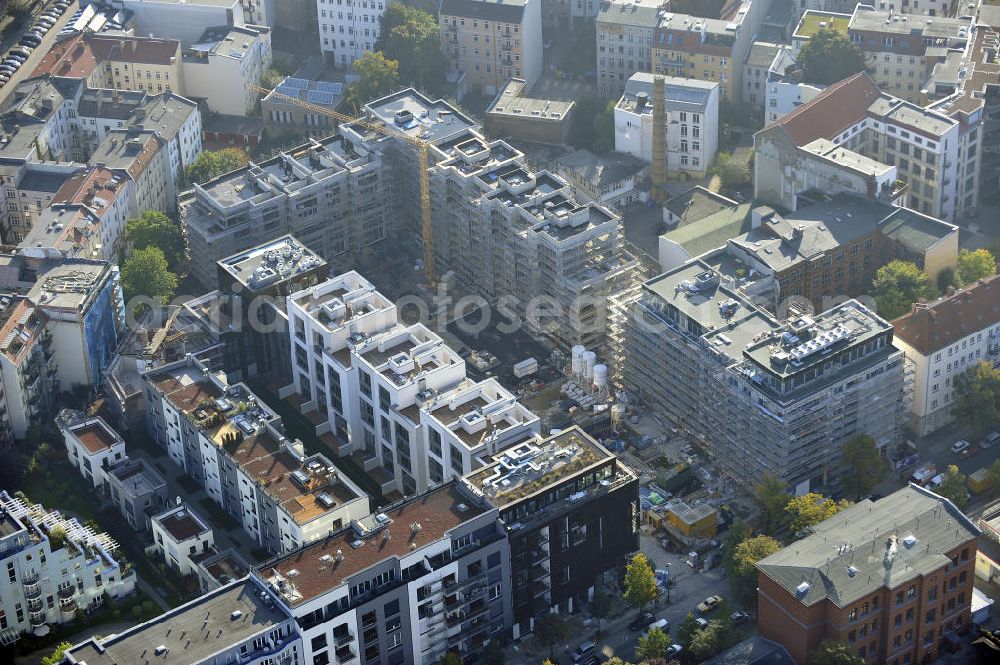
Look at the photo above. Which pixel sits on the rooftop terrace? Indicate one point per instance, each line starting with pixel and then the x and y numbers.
pixel 264 265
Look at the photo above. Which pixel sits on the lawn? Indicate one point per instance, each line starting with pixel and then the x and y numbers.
pixel 809 25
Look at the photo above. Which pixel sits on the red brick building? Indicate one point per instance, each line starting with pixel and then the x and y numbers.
pixel 892 578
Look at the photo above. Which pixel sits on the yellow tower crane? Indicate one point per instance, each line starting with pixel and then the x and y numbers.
pixel 422 148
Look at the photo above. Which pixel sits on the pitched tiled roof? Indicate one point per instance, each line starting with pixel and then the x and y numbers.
pixel 936 325
pixel 832 110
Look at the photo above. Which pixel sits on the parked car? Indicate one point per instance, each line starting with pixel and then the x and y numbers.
pixel 702 623
pixel 662 624
pixel 709 604
pixel 959 446
pixel 990 440
pixel 15 56
pixel 583 650
pixel 10 69
pixel 591 660
pixel 642 621
pixel 23 50
pixel 739 616
pixel 672 651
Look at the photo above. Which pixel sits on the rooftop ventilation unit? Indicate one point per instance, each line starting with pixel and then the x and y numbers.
pixel 802 589
pixel 236 614
pixel 326 500
pixel 910 540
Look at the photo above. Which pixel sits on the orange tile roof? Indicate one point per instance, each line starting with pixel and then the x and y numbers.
pixel 70 57
pixel 437 512
pixel 87 185
pixel 933 326
pixel 95 437
pixel 79 55
pixel 832 110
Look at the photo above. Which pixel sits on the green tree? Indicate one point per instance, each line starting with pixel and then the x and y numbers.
pixel 772 498
pixel 154 229
pixel 57 537
pixel 897 285
pixel 865 466
pixel 377 77
pixel 811 509
pixel 652 645
pixel 994 249
pixel 145 273
pixel 213 163
pixel 412 38
pixel 57 654
pixel 708 642
pixel 451 658
pixel 600 606
pixel 592 125
pixel 742 568
pixel 975 265
pixel 993 475
pixel 830 652
pixel 550 630
pixel 953 487
pixel 828 57
pixel 687 630
pixel 640 583
pixel 733 172
pixel 977 397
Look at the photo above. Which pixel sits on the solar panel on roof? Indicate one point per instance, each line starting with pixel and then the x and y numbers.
pixel 287 90
pixel 330 86
pixel 320 97
pixel 296 83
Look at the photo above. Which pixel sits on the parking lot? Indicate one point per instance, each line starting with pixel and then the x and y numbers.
pixel 14 31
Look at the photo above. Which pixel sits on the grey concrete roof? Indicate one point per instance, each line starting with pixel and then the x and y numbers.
pixel 41 181
pixel 697 203
pixel 184 633
pixel 753 651
pixel 601 170
pixel 164 114
pixel 914 231
pixel 761 54
pixel 507 11
pixel 885 543
pixel 713 231
pixel 642 13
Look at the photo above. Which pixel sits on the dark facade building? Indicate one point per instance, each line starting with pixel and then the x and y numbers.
pixel 571 511
pixel 248 309
pixel 891 578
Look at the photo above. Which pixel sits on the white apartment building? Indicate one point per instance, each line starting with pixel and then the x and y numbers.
pixel 261 12
pixel 224 65
pixel 691 118
pixel 92 446
pixel 86 218
pixel 394 397
pixel 182 538
pixel 176 121
pixel 348 28
pixel 228 441
pixel 26 354
pixel 943 339
pixel 49 579
pixel 784 94
pixel 138 156
pixel 184 20
pixel 922 144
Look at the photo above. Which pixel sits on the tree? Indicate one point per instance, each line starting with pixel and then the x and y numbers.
pixel 412 38
pixel 953 487
pixel 865 466
pixel 154 229
pixel 771 496
pixel 57 537
pixel 592 125
pixel 897 285
pixel 600 606
pixel 451 658
pixel 551 629
pixel 377 77
pixel 652 645
pixel 828 57
pixel 213 163
pixel 708 642
pixel 975 265
pixel 993 475
pixel 811 509
pixel 687 630
pixel 994 249
pixel 734 173
pixel 145 273
pixel 743 569
pixel 977 397
pixel 640 583
pixel 830 652
pixel 57 655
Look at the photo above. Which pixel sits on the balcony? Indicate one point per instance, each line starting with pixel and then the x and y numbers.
pixel 67 606
pixel 67 592
pixel 37 619
pixel 32 590
pixel 344 653
pixel 35 605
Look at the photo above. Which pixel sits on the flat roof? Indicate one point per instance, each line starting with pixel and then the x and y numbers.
pixel 813 21
pixel 513 102
pixel 278 260
pixel 419 116
pixel 184 633
pixel 918 25
pixel 68 285
pixel 702 235
pixel 317 568
pixel 181 523
pixel 532 467
pixel 697 203
pixel 95 435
